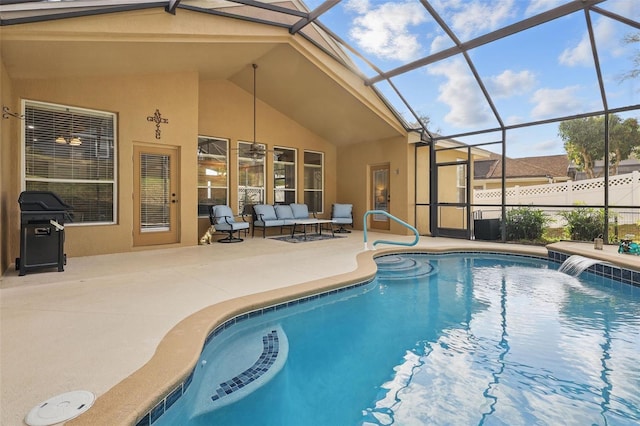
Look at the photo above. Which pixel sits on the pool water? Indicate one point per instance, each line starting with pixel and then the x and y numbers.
pixel 460 339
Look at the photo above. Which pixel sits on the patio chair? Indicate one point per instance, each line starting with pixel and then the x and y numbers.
pixel 342 214
pixel 223 220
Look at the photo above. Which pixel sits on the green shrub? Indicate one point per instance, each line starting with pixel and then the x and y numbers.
pixel 525 223
pixel 584 224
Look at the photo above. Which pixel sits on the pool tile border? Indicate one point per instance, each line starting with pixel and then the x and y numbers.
pixel 603 269
pixel 270 351
pixel 156 412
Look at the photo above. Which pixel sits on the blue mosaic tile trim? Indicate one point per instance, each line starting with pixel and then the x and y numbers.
pixel 624 275
pixel 176 394
pixel 464 252
pixel 270 350
pixel 235 320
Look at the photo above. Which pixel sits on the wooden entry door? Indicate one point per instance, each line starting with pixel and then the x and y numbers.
pixel 380 197
pixel 156 197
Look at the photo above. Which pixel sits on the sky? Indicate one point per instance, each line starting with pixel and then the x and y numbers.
pixel 545 72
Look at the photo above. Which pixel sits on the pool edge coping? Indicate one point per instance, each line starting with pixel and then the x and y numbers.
pixel 178 352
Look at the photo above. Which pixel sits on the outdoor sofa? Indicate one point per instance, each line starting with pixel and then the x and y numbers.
pixel 280 215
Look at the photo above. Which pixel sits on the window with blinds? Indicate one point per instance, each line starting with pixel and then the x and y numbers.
pixel 71 152
pixel 155 189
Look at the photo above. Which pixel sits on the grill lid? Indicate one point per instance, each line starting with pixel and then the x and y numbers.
pixel 41 201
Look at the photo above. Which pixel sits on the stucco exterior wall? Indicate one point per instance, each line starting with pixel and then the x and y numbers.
pixel 226 111
pixel 8 195
pixel 354 164
pixel 134 63
pixel 133 99
pixel 212 108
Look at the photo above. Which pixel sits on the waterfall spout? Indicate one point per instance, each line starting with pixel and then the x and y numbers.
pixel 576 264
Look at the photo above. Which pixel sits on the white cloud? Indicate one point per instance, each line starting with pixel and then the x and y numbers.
pixel 546 146
pixel 555 102
pixel 383 30
pixel 626 8
pixel 578 55
pixel 440 42
pixel 608 38
pixel 357 6
pixel 537 6
pixel 514 119
pixel 607 43
pixel 511 83
pixel 472 18
pixel 467 105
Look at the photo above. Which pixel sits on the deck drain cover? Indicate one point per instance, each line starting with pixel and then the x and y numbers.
pixel 60 408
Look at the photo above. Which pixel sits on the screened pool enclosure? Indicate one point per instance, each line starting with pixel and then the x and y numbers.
pixel 526 112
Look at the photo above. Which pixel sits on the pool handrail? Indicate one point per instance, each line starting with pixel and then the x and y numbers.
pixel 392 217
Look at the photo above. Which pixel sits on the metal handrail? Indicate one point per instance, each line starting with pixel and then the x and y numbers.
pixel 390 216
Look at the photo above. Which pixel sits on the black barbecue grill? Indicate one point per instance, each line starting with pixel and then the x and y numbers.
pixel 42 217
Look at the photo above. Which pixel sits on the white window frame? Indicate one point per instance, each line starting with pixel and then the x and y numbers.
pixel 461 180
pixel 276 160
pixel 321 167
pixel 216 156
pixel 262 191
pixel 113 182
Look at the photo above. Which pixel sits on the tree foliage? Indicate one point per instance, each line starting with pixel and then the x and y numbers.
pixel 584 141
pixel 635 71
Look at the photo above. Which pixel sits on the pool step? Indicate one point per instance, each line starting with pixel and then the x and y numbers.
pixel 398 267
pixel 240 367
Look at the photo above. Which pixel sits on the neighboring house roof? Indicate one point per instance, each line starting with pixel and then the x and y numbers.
pixel 544 166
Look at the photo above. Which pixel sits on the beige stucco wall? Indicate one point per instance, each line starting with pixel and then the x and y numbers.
pixel 132 98
pixel 193 102
pixel 354 163
pixel 226 111
pixel 212 108
pixel 8 177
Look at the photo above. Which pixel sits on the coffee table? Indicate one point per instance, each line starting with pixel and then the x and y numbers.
pixel 327 224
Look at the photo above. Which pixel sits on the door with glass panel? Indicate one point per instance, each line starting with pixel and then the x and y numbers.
pixel 380 197
pixel 156 197
pixel 452 199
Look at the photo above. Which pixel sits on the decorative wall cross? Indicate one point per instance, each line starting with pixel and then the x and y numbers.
pixel 157 118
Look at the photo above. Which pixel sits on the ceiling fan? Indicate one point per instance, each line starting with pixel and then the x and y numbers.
pixel 256 150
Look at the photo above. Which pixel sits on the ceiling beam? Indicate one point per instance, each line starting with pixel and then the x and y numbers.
pixel 171 6
pixel 313 15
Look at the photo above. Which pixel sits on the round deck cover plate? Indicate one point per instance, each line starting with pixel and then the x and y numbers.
pixel 60 408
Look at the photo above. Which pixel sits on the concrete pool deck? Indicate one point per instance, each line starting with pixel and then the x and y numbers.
pixel 98 322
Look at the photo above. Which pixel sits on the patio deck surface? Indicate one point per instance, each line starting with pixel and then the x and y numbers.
pixel 100 320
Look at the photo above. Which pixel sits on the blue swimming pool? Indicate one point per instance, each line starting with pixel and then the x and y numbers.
pixel 434 339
